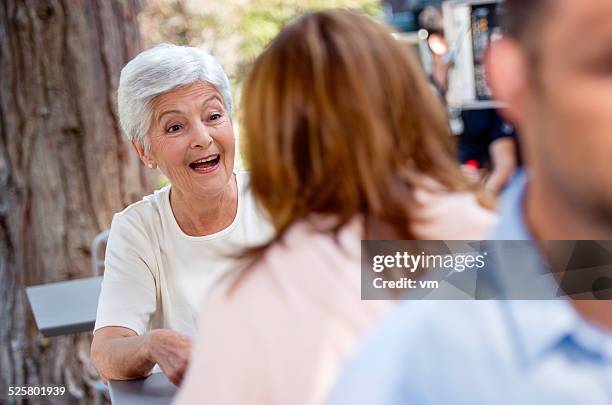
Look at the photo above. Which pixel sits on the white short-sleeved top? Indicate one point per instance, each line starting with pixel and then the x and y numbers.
pixel 156 276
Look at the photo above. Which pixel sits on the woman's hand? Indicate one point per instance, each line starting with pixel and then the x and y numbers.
pixel 171 351
pixel 440 215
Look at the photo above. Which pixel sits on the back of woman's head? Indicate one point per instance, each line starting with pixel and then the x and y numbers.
pixel 340 119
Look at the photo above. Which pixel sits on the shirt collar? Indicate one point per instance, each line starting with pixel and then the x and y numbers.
pixel 511 225
pixel 541 326
pixel 508 276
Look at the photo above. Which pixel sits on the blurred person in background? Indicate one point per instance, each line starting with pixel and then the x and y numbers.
pixel 346 141
pixel 487 143
pixel 488 148
pixel 164 252
pixel 554 71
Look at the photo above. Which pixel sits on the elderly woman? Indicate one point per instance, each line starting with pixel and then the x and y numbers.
pixel 165 251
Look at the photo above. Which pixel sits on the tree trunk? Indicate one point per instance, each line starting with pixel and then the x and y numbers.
pixel 65 168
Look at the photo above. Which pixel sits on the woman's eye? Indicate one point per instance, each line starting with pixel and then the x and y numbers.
pixel 173 128
pixel 214 117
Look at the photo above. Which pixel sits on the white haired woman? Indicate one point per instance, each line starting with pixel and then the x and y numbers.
pixel 165 251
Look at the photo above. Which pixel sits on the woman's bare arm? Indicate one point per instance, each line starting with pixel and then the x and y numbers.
pixel 120 353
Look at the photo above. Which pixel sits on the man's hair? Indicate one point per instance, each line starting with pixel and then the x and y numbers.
pixel 522 17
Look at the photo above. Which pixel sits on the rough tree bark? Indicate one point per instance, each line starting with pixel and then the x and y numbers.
pixel 65 169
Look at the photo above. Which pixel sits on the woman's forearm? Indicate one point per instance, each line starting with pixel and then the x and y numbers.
pixel 122 357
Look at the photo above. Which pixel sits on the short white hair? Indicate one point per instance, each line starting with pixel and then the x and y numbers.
pixel 159 70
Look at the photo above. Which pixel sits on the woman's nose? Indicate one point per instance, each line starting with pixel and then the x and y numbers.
pixel 201 137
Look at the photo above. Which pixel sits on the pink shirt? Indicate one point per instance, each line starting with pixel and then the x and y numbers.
pixel 282 336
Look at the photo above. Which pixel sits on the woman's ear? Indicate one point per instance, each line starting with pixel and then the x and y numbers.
pixel 507 74
pixel 147 160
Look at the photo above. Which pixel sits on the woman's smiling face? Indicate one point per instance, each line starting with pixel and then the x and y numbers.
pixel 191 139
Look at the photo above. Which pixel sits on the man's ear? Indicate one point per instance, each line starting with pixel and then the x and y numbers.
pixel 507 73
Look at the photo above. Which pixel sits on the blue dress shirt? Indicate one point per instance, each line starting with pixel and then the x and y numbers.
pixel 482 352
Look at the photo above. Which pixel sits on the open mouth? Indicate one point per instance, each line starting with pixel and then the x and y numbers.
pixel 206 164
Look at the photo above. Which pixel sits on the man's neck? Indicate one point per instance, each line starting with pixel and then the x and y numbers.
pixel 550 217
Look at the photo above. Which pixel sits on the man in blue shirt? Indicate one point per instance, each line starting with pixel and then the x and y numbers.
pixel 554 71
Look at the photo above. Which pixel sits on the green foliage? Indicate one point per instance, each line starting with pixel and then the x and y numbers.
pixel 162 181
pixel 261 20
pixel 234 31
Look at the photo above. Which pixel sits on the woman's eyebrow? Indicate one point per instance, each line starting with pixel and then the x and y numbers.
pixel 211 98
pixel 167 112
